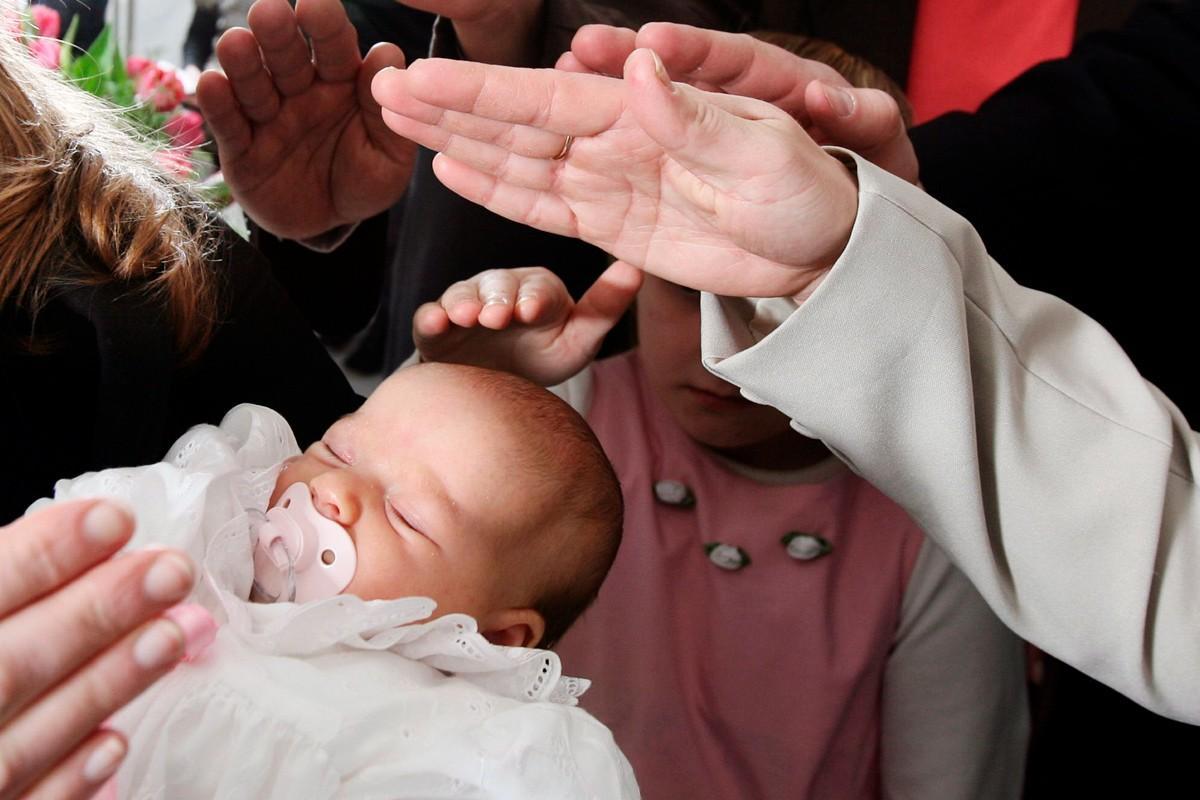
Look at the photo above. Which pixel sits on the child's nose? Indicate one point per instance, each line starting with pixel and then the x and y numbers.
pixel 335 496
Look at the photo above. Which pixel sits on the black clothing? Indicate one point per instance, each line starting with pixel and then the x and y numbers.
pixel 104 386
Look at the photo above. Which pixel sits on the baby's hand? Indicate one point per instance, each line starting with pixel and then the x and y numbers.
pixel 523 321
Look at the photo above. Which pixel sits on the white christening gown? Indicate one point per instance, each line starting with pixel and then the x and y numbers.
pixel 338 697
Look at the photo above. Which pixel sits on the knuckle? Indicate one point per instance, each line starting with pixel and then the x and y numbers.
pixel 100 692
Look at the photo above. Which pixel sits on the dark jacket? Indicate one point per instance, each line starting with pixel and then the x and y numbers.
pixel 104 386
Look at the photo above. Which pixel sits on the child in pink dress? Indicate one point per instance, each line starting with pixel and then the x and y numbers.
pixel 773 626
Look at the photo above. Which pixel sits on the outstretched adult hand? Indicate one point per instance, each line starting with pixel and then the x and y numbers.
pixel 524 321
pixel 867 121
pixel 301 141
pixel 78 640
pixel 711 191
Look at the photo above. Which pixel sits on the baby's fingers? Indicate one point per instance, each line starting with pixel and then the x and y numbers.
pixel 542 298
pixel 429 322
pixel 498 294
pixel 462 304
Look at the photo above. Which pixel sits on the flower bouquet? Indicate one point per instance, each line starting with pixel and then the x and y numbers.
pixel 150 95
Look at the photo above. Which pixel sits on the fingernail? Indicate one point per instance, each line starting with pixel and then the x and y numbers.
pixel 105 523
pixel 169 579
pixel 198 626
pixel 161 644
pixel 661 71
pixel 104 760
pixel 841 102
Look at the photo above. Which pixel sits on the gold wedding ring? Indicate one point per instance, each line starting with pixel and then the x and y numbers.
pixel 566 148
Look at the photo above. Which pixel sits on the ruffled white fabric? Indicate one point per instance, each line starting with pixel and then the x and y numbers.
pixel 340 697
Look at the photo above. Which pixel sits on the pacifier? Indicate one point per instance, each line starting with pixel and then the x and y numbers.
pixel 300 555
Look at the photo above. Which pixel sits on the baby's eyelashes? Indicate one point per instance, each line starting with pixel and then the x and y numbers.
pixel 323 451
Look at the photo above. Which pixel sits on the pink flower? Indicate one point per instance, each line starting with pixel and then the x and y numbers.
pixel 47 21
pixel 159 87
pixel 177 162
pixel 136 65
pixel 186 129
pixel 48 52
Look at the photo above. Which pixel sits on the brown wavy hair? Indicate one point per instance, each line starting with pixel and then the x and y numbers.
pixel 83 202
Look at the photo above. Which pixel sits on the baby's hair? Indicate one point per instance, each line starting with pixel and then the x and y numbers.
pixel 560 448
pixel 858 71
pixel 83 202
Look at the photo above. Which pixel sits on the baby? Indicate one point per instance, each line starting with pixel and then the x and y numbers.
pixel 452 488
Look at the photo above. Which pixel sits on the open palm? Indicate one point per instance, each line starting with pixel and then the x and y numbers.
pixel 710 191
pixel 302 144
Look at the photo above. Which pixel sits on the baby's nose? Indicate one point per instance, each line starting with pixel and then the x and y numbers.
pixel 335 497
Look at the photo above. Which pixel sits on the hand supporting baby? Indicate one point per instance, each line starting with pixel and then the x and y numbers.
pixel 107 643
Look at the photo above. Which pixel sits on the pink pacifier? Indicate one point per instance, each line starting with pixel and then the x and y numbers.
pixel 300 555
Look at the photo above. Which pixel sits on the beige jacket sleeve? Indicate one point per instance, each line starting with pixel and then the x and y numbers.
pixel 1010 426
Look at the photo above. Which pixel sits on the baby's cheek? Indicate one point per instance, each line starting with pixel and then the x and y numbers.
pixel 292 471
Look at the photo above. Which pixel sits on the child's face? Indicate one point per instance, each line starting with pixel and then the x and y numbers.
pixel 422 478
pixel 708 409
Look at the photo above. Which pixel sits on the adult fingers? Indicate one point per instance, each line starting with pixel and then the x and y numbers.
pixel 519 139
pixel 229 126
pixel 47 548
pixel 47 640
pixel 602 48
pixel 867 121
pixel 241 60
pixel 736 63
pixel 83 772
pixel 334 40
pixel 284 51
pixel 538 209
pixel 602 305
pixel 567 62
pixel 380 57
pixel 714 146
pixel 495 160
pixel 45 733
pixel 562 102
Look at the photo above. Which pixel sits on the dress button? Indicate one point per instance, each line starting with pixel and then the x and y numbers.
pixel 806 546
pixel 674 493
pixel 727 556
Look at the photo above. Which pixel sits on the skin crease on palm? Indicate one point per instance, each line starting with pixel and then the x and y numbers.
pixel 422 479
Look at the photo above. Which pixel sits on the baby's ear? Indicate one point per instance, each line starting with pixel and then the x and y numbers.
pixel 514 627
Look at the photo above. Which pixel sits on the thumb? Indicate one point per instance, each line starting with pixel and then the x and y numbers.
pixel 868 121
pixel 602 305
pixel 707 134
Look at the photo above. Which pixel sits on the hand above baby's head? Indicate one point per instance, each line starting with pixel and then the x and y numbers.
pixel 472 487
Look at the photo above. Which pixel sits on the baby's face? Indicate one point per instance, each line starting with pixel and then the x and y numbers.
pixel 423 479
